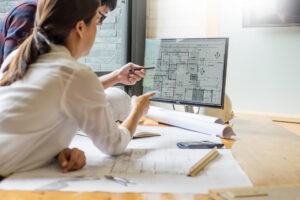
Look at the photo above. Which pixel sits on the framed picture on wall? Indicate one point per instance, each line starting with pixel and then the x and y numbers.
pixel 271 13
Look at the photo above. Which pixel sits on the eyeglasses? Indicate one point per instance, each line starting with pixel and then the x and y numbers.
pixel 102 18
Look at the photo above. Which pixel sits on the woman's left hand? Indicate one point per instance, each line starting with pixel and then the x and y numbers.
pixel 71 159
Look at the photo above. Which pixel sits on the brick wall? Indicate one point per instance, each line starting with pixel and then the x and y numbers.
pixel 5 5
pixel 109 50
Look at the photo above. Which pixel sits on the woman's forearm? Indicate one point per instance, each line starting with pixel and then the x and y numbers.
pixel 109 80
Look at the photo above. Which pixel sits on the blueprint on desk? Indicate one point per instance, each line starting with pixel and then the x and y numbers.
pixel 151 164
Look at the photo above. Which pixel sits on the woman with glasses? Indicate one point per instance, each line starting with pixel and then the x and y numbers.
pixel 18 24
pixel 46 95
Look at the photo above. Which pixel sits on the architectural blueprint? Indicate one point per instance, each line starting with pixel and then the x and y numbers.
pixel 186 70
pixel 150 164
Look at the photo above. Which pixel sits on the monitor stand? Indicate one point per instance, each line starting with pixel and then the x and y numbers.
pixel 189 109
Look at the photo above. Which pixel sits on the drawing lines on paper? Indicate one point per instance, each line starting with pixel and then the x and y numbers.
pixel 150 161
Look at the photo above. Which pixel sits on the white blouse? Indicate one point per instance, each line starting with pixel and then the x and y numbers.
pixel 40 114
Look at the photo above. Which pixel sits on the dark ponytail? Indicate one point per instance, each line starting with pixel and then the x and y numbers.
pixel 53 22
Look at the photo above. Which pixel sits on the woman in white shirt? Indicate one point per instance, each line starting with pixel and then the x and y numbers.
pixel 46 95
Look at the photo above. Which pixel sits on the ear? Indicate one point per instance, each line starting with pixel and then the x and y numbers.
pixel 80 28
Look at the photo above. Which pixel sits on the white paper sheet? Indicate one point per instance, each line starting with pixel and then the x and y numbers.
pixel 200 123
pixel 160 170
pixel 187 115
pixel 154 165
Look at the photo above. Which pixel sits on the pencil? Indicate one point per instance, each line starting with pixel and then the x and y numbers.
pixel 203 162
pixel 132 70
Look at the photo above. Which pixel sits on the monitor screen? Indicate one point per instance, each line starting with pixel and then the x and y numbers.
pixel 189 71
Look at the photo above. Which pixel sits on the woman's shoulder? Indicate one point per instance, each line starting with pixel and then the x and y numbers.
pixel 60 56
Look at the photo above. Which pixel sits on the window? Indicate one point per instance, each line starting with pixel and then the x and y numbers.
pixel 110 48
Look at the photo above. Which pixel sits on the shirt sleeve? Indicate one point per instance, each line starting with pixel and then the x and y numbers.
pixel 85 102
pixel 19 26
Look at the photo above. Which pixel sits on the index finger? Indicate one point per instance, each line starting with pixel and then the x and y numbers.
pixel 62 159
pixel 72 160
pixel 141 73
pixel 150 94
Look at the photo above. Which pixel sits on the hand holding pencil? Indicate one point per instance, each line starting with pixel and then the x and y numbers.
pixel 131 73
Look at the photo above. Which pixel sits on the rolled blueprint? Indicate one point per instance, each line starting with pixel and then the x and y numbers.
pixel 199 123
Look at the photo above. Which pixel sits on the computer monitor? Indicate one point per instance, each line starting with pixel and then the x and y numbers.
pixel 188 71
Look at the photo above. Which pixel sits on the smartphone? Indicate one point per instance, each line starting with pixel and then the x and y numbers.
pixel 199 145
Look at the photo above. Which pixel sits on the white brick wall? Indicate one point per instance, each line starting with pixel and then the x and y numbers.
pixel 6 5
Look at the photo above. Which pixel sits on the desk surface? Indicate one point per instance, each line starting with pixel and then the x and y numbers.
pixel 267 153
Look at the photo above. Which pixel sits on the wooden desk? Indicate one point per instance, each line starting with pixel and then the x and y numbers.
pixel 268 153
pixel 27 195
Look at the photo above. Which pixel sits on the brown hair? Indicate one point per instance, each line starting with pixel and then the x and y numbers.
pixel 111 4
pixel 53 22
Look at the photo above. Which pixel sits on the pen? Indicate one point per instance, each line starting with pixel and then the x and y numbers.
pixel 122 181
pixel 132 70
pixel 203 162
